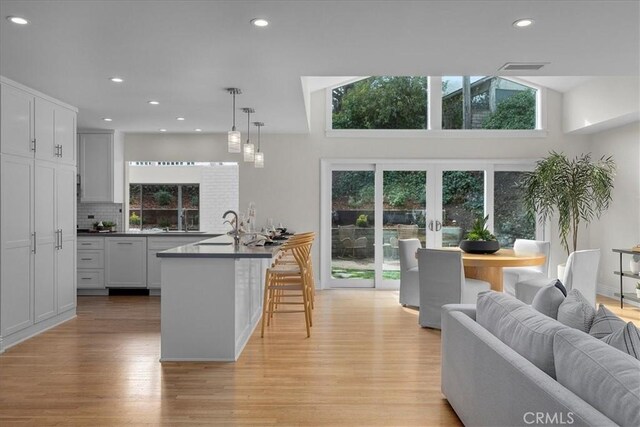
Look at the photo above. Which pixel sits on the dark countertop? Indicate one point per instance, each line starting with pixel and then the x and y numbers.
pixel 219 247
pixel 202 234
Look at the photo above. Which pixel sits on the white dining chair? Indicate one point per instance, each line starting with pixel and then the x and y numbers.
pixel 513 275
pixel 409 281
pixel 581 273
pixel 442 282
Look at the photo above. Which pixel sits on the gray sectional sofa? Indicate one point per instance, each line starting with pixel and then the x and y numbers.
pixel 505 364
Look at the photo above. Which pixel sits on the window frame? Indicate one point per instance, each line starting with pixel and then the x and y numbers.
pixel 179 208
pixel 434 112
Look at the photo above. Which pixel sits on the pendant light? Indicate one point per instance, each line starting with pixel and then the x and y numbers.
pixel 259 156
pixel 248 148
pixel 234 140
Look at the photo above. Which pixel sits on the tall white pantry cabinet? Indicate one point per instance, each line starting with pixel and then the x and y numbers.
pixel 37 212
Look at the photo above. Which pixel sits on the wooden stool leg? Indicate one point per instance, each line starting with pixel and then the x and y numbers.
pixel 265 302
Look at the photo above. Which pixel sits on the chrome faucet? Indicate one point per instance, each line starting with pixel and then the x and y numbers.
pixel 183 219
pixel 235 225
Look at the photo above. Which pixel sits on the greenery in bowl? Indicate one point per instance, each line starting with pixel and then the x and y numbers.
pixel 479 230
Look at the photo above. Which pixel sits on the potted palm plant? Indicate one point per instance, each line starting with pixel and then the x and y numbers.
pixel 574 191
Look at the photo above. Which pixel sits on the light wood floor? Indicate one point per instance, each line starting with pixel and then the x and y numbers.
pixel 366 363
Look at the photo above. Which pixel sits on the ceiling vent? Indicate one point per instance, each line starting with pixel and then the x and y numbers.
pixel 522 66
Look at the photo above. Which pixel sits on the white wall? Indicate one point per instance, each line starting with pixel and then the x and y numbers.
pixel 288 188
pixel 619 227
pixel 602 103
pixel 164 174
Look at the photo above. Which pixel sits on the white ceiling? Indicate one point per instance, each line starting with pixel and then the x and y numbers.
pixel 184 53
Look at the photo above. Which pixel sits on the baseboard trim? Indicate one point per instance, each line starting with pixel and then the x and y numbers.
pixel 93 292
pixel 33 330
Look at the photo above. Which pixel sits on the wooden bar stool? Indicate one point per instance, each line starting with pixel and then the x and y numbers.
pixel 289 284
pixel 285 257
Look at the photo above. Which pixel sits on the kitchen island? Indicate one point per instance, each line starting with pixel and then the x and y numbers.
pixel 211 299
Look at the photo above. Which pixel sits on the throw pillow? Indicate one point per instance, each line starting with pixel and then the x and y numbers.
pixel 547 300
pixel 605 323
pixel 558 284
pixel 576 312
pixel 626 339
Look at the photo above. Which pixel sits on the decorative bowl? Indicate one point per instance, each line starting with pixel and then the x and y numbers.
pixel 480 246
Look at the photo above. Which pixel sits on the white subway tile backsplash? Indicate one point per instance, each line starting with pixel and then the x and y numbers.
pixel 101 212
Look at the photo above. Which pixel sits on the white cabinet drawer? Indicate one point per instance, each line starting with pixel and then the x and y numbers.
pixel 91 279
pixel 90 243
pixel 90 259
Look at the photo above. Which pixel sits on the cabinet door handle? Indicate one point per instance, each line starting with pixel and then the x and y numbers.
pixel 86 259
pixel 33 144
pixel 85 278
pixel 59 150
pixel 85 244
pixel 431 225
pixel 33 236
pixel 438 225
pixel 124 243
pixel 60 231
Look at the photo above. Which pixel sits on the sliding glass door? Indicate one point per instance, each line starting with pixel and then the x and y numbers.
pixel 369 207
pixel 353 225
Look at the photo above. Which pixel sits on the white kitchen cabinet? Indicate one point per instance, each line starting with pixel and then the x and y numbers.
pixel 36 127
pixel 66 225
pixel 16 244
pixel 101 164
pixel 65 136
pixel 90 270
pixel 126 262
pixel 16 120
pixel 45 240
pixel 37 214
pixel 159 244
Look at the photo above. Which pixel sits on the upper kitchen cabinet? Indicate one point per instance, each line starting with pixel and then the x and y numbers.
pixel 101 165
pixel 36 126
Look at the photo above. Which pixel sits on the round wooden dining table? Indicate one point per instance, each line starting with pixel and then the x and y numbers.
pixel 488 267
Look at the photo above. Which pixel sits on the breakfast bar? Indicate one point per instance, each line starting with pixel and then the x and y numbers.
pixel 211 298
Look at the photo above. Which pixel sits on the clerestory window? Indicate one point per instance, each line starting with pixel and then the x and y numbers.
pixel 467 103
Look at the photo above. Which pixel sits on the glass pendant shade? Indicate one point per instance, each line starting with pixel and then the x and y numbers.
pixel 259 159
pixel 234 141
pixel 249 152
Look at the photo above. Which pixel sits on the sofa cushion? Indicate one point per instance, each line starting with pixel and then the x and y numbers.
pixel 547 300
pixel 626 339
pixel 605 323
pixel 604 377
pixel 519 326
pixel 576 312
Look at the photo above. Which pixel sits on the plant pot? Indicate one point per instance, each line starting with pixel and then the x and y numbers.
pixel 480 246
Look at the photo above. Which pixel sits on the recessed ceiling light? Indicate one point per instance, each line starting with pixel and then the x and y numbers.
pixel 162 130
pixel 522 23
pixel 107 119
pixel 180 119
pixel 18 20
pixel 116 79
pixel 260 22
pixel 198 130
pixel 153 102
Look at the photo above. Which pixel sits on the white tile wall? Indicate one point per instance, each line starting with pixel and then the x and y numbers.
pixel 101 212
pixel 219 192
